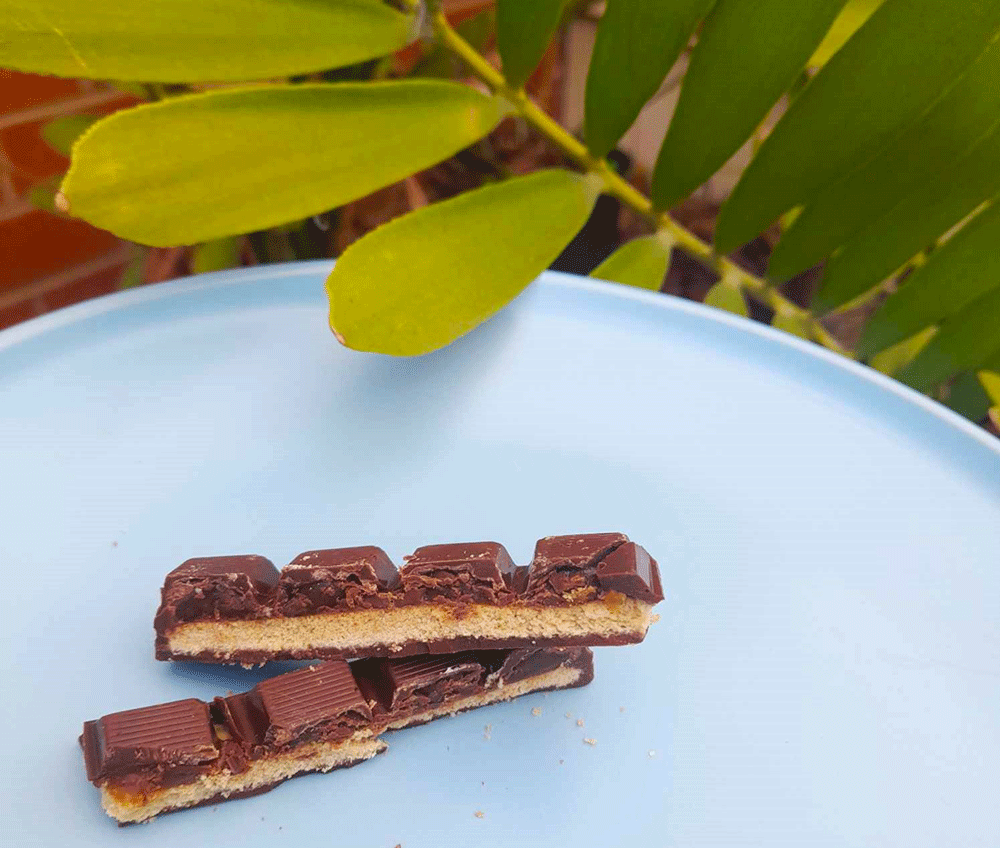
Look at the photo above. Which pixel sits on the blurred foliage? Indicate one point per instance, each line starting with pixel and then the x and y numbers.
pixel 883 170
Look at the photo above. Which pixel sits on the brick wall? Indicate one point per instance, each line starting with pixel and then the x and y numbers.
pixel 47 260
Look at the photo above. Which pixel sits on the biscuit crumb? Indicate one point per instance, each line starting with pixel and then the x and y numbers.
pixel 621 709
pixel 591 742
pixel 652 753
pixel 569 715
pixel 114 544
pixel 535 711
pixel 488 731
pixel 479 814
pixel 579 722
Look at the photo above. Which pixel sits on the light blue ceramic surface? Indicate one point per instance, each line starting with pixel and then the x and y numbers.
pixel 827 668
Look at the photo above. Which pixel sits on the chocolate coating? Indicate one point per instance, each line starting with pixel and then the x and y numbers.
pixel 564 571
pixel 630 570
pixel 140 751
pixel 479 572
pixel 336 579
pixel 227 587
pixel 178 733
pixel 564 568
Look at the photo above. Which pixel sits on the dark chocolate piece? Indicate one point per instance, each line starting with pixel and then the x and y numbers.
pixel 531 662
pixel 176 734
pixel 226 587
pixel 565 567
pixel 319 702
pixel 478 572
pixel 418 682
pixel 631 571
pixel 339 578
pixel 139 755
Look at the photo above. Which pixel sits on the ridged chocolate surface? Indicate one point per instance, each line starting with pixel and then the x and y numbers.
pixel 300 704
pixel 172 744
pixel 179 731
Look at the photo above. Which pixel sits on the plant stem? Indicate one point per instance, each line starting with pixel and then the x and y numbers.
pixel 729 271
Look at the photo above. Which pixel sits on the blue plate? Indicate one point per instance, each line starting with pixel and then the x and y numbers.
pixel 827 668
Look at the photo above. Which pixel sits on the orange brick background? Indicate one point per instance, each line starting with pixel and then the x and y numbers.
pixel 46 260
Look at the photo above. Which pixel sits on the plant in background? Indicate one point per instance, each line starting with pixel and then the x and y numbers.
pixel 884 169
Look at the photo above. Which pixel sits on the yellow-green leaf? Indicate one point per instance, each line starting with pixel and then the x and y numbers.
pixel 60 133
pixel 892 359
pixel 216 255
pixel 192 40
pixel 419 282
pixel 848 22
pixel 203 166
pixel 641 262
pixel 991 385
pixel 722 296
pixel 965 341
pixel 791 324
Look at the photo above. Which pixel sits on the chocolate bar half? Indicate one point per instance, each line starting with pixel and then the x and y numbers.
pixel 591 589
pixel 187 753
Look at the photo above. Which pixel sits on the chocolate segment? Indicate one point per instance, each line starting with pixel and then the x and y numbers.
pixel 631 571
pixel 340 578
pixel 564 568
pixel 314 703
pixel 188 753
pixel 476 571
pixel 415 683
pixel 227 587
pixel 178 733
pixel 585 589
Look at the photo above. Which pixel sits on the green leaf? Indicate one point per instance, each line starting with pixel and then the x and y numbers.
pixel 890 360
pixel 134 273
pixel 637 43
pixel 193 40
pixel 60 133
pixel 524 30
pixel 877 85
pixel 963 270
pixel 952 127
pixel 791 324
pixel 440 62
pixel 723 296
pixel 918 219
pixel 217 255
pixel 848 22
pixel 202 166
pixel 43 196
pixel 748 54
pixel 967 397
pixel 990 381
pixel 419 282
pixel 965 341
pixel 642 262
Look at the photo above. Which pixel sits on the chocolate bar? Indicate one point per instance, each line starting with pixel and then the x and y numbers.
pixel 592 589
pixel 188 753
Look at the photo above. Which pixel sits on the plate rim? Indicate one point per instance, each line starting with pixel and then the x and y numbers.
pixel 122 300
